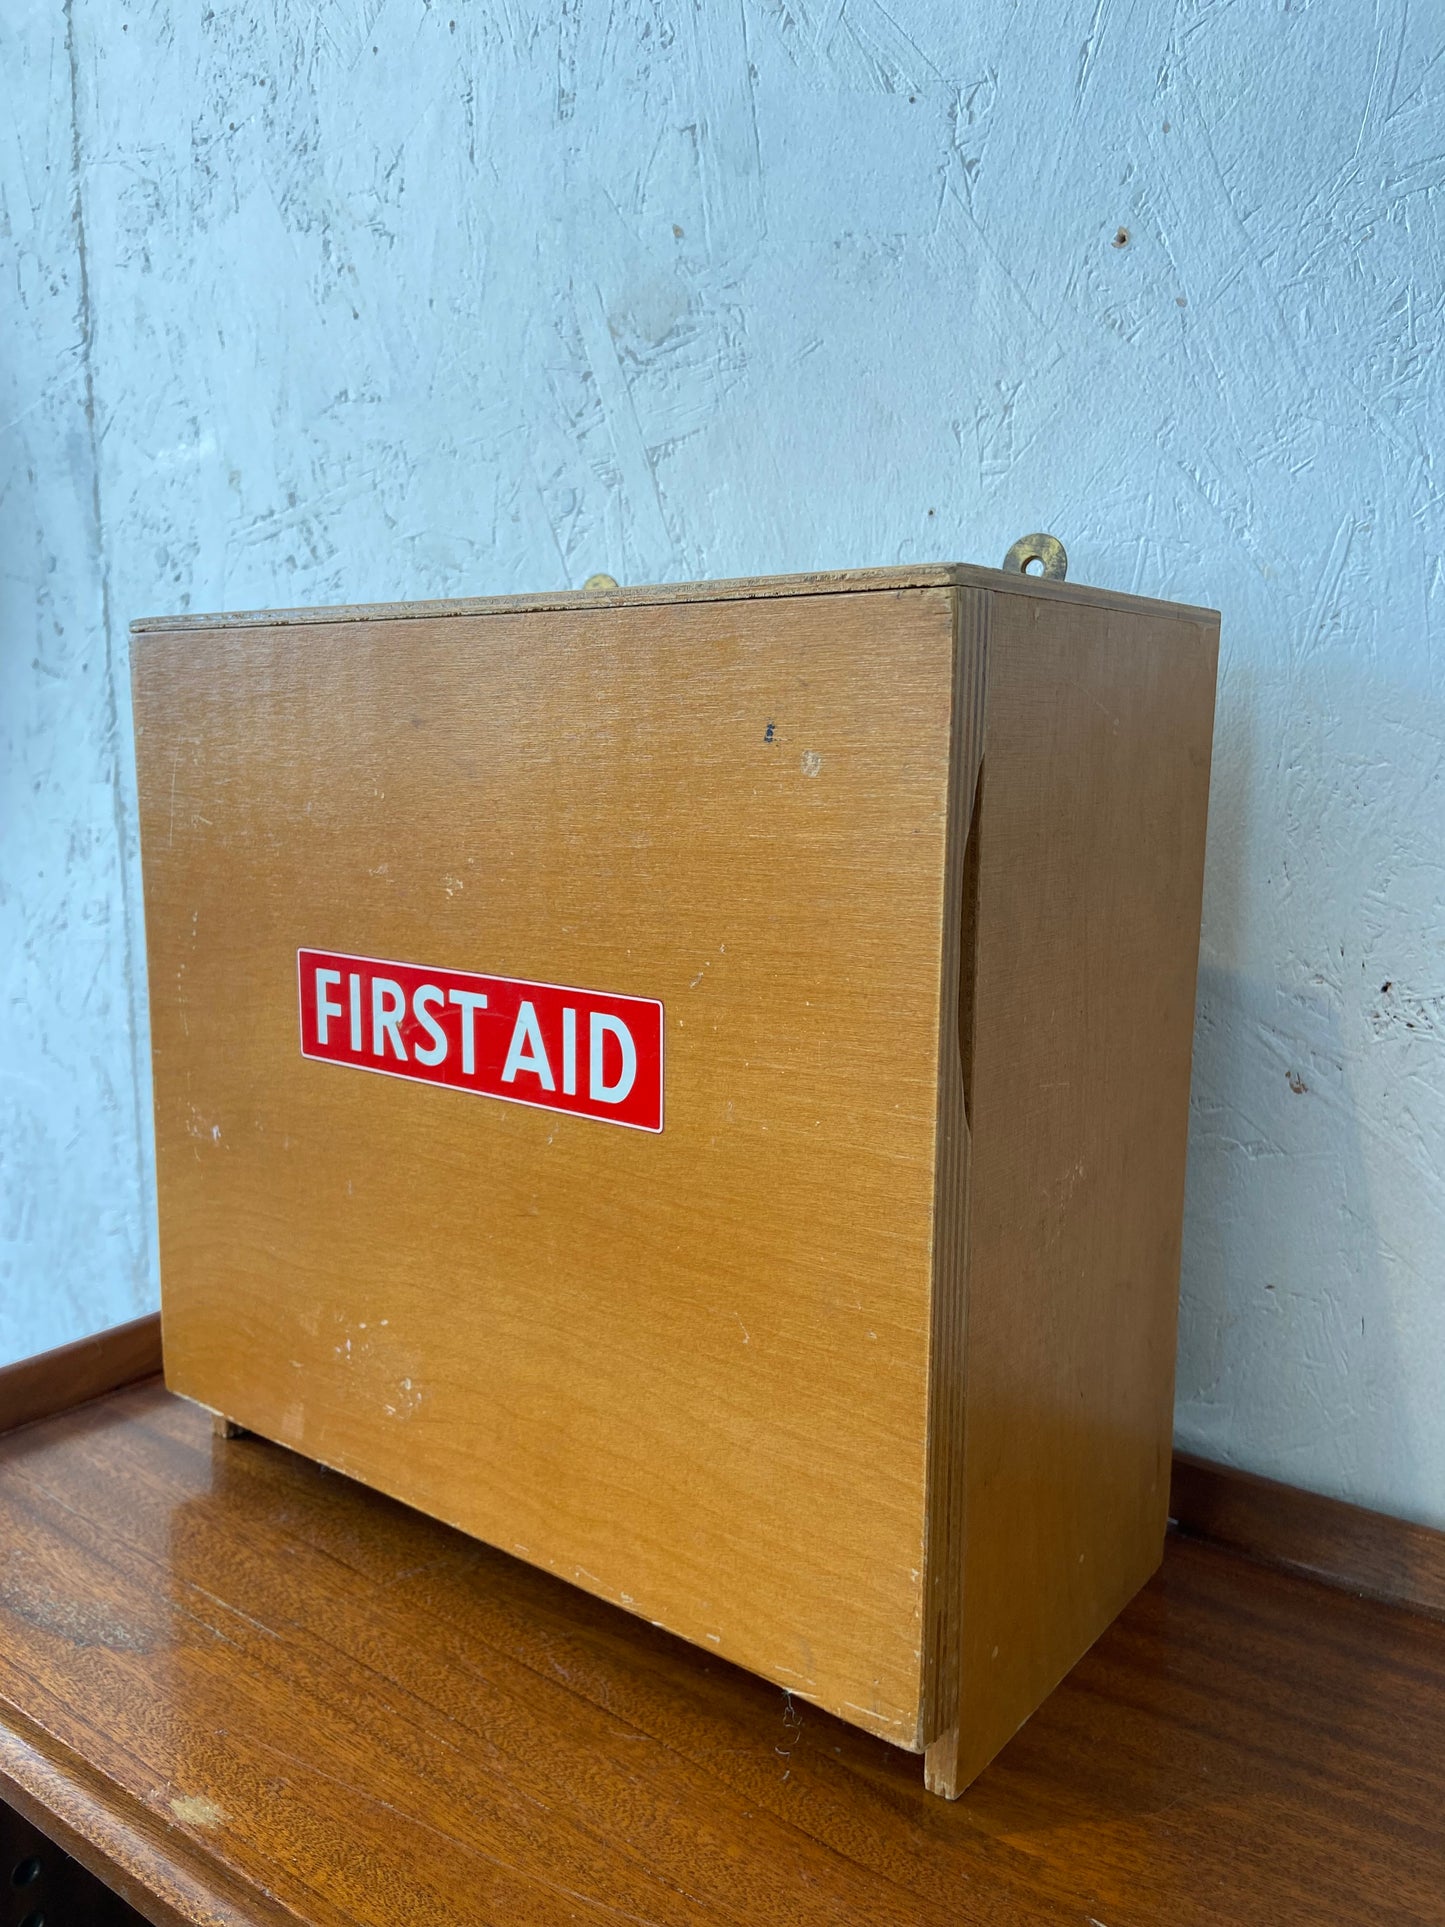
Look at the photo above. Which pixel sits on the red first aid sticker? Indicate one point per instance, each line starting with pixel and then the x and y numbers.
pixel 586 1052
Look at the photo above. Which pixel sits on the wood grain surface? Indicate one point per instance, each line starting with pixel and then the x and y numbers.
pixel 251 1690
pixel 944 1547
pixel 55 1381
pixel 40 1882
pixel 689 1372
pixel 1366 1552
pixel 1091 853
pixel 749 588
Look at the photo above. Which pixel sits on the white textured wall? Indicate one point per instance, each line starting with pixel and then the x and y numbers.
pixel 307 302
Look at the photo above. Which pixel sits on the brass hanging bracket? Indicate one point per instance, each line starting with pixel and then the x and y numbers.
pixel 1047 550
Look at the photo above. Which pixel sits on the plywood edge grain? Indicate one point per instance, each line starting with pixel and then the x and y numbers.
pixel 1341 1545
pixel 72 1375
pixel 939 575
pixel 943 1544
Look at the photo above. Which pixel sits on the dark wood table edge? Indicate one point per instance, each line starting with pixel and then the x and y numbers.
pixel 171 1879
pixel 158 1870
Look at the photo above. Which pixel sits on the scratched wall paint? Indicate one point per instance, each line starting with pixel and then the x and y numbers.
pixel 310 302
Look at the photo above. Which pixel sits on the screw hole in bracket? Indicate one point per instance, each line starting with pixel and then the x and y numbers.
pixel 1043 555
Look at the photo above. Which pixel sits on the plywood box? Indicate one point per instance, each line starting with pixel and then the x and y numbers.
pixel 770 1216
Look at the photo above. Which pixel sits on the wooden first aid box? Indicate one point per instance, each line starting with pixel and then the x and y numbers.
pixel 690 1086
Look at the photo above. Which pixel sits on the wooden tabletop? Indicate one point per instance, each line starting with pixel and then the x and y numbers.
pixel 246 1689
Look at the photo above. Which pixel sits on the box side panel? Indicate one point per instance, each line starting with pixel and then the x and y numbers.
pixel 944 1548
pixel 1091 850
pixel 686 1369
